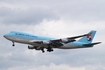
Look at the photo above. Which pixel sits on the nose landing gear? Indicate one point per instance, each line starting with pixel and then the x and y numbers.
pixel 13 44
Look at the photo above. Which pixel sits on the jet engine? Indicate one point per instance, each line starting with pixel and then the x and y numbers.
pixel 46 42
pixel 37 48
pixel 34 47
pixel 66 40
pixel 31 47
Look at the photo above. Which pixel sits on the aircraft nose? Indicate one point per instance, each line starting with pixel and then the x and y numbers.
pixel 5 35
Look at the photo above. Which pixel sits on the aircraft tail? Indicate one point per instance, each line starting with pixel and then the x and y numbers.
pixel 88 38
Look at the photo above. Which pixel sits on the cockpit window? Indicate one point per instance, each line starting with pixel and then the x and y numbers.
pixel 12 32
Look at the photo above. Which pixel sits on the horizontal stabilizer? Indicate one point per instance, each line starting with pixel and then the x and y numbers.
pixel 91 44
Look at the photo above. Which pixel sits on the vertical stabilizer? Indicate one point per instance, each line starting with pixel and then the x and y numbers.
pixel 88 38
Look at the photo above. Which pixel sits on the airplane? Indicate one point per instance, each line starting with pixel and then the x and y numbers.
pixel 41 43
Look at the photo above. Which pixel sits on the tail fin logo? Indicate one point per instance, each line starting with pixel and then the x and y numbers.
pixel 88 37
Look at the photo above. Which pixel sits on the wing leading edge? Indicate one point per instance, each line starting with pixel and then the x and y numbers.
pixel 68 39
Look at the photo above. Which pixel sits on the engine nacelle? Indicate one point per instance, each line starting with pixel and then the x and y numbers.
pixel 65 40
pixel 34 47
pixel 46 42
pixel 37 48
pixel 31 47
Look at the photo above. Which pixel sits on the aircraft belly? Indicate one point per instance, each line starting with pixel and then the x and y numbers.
pixel 24 41
pixel 68 46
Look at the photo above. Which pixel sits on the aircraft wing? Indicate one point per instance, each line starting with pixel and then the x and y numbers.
pixel 57 42
pixel 68 39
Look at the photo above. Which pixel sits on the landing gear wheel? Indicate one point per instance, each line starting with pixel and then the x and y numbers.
pixel 13 44
pixel 49 49
pixel 42 50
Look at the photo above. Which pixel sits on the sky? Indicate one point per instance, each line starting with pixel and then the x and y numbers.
pixel 56 19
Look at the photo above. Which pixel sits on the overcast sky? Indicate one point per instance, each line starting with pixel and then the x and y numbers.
pixel 52 18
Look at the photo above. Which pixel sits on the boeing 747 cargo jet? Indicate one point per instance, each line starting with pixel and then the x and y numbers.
pixel 41 43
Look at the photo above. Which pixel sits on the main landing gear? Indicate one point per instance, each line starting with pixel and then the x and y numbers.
pixel 49 49
pixel 42 49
